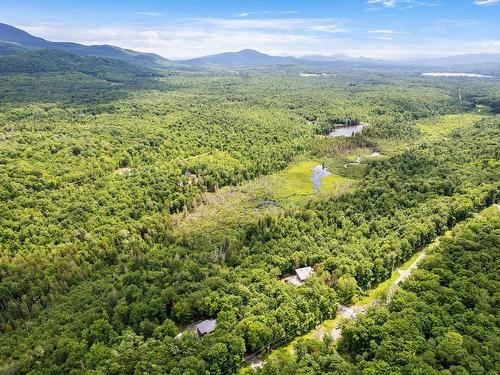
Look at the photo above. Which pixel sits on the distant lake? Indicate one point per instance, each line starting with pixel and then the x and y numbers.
pixel 464 75
pixel 346 131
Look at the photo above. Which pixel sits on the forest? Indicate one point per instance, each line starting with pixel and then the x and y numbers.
pixel 102 163
pixel 443 320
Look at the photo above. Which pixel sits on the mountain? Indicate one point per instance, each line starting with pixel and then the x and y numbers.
pixel 338 57
pixel 12 40
pixel 55 75
pixel 8 48
pixel 250 57
pixel 243 57
pixel 52 60
pixel 477 58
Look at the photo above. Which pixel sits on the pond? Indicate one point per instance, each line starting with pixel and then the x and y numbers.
pixel 346 131
pixel 318 173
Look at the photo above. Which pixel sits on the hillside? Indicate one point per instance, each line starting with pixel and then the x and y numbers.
pixel 27 41
pixel 46 60
pixel 49 75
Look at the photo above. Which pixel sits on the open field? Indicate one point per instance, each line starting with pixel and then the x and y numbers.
pixel 433 130
pixel 232 207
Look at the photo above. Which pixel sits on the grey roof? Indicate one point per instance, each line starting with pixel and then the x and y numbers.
pixel 206 326
pixel 304 273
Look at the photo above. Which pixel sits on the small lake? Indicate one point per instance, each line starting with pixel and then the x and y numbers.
pixel 346 131
pixel 318 173
pixel 462 75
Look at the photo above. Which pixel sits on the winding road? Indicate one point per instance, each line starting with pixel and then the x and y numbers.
pixel 350 312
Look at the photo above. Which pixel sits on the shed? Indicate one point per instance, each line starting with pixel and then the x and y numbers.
pixel 206 326
pixel 304 273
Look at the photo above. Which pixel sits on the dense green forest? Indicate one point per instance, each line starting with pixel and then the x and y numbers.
pixel 443 321
pixel 99 157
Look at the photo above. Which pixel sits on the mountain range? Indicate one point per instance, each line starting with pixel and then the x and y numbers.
pixel 15 41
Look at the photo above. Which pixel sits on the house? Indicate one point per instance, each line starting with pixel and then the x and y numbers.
pixel 206 326
pixel 301 274
pixel 304 273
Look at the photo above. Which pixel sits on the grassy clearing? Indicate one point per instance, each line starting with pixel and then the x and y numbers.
pixel 223 211
pixel 381 289
pixel 432 130
pixel 335 185
pixel 231 207
pixel 294 184
pixel 228 209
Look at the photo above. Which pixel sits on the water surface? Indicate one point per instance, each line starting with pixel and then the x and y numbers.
pixel 346 131
pixel 318 173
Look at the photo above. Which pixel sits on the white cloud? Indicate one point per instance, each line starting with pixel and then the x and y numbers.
pixel 383 31
pixel 406 3
pixel 486 2
pixel 246 14
pixel 383 34
pixel 150 14
pixel 486 44
pixel 329 28
pixel 385 3
pixel 254 23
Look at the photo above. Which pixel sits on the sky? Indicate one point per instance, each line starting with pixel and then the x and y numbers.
pixel 388 29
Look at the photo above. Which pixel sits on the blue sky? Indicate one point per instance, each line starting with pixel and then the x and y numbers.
pixel 186 28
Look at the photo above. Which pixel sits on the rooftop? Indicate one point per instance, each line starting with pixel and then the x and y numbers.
pixel 206 326
pixel 304 273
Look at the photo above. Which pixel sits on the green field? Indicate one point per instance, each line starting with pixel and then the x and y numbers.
pixel 433 130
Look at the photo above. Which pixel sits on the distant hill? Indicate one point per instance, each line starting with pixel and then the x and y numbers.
pixel 8 48
pixel 13 40
pixel 251 57
pixel 335 57
pixel 243 57
pixel 468 59
pixel 50 61
pixel 339 58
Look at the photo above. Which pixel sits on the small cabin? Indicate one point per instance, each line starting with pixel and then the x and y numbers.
pixel 301 274
pixel 304 273
pixel 206 326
